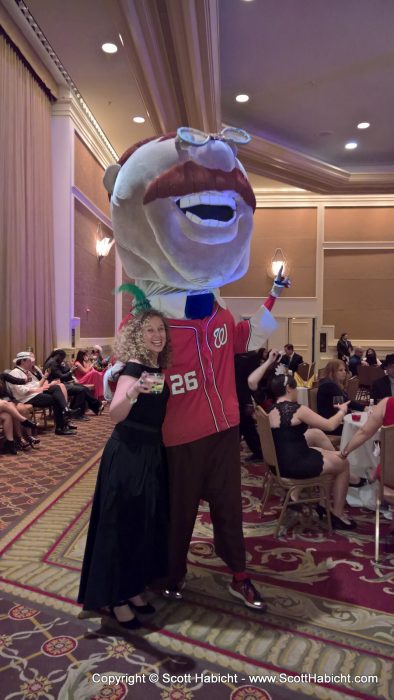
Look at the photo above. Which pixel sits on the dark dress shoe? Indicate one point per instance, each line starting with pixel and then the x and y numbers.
pixel 64 432
pixel 133 624
pixel 146 609
pixel 83 417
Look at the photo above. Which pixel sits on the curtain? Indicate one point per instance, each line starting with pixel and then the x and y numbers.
pixel 27 303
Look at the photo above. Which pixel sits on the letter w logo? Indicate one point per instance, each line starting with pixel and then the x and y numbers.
pixel 220 335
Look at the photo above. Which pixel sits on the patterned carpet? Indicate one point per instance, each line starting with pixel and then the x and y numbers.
pixel 329 610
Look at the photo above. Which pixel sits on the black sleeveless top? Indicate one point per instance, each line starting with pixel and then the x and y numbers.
pixel 296 460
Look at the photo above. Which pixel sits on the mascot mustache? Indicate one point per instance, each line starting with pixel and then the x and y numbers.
pixel 190 177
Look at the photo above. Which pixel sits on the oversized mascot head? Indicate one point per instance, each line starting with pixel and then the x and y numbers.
pixel 182 209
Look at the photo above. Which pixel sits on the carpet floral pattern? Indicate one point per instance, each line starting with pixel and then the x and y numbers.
pixel 329 611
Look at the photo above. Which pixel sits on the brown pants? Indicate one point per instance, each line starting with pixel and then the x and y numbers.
pixel 206 469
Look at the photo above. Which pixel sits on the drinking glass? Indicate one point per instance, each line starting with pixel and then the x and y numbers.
pixel 336 400
pixel 158 384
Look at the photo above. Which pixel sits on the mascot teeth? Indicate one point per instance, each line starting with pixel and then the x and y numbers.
pixel 215 209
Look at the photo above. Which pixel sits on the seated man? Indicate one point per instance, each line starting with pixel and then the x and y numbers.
pixel 385 386
pixel 80 395
pixel 39 392
pixel 290 358
pixel 355 361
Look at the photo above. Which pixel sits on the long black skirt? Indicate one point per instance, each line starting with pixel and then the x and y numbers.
pixel 126 546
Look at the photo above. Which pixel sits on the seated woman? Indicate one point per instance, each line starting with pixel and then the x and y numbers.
pixel 12 421
pixel 85 373
pixel 331 392
pixel 259 379
pixel 370 358
pixel 20 414
pixel 297 460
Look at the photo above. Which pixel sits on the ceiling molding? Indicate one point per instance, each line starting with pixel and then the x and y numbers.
pixel 86 126
pixel 281 198
pixel 174 56
pixel 269 159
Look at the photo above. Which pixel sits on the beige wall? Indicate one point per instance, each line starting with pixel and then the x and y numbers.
pixel 293 230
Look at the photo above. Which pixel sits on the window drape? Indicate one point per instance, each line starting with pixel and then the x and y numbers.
pixel 27 303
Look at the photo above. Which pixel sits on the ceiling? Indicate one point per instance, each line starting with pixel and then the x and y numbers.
pixel 313 69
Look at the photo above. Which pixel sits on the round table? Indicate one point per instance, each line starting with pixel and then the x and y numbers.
pixel 362 459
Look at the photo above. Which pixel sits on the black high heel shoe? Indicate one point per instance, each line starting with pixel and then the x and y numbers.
pixel 133 624
pixel 361 482
pixel 28 424
pixel 146 609
pixel 33 440
pixel 339 524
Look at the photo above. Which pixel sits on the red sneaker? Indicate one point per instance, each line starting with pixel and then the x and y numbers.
pixel 245 591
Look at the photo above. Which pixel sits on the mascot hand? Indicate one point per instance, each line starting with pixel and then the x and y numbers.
pixel 280 283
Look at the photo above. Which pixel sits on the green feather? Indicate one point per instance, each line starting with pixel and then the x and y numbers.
pixel 141 303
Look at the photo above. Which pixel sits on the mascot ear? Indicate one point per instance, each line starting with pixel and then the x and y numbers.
pixel 110 176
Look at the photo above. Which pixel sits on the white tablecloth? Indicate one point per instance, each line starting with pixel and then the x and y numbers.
pixel 362 459
pixel 302 395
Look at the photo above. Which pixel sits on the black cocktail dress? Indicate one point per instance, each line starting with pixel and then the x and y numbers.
pixel 296 459
pixel 126 547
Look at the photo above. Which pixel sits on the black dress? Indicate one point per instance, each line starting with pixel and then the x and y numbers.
pixel 126 547
pixel 296 460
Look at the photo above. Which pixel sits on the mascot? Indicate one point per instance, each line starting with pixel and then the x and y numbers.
pixel 182 211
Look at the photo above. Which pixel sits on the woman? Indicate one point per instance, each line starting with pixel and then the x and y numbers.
pixel 332 391
pixel 371 359
pixel 259 379
pixel 126 546
pixel 297 460
pixel 344 348
pixel 12 421
pixel 85 373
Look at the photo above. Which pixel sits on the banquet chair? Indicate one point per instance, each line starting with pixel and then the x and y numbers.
pixel 318 488
pixel 368 375
pixel 303 371
pixel 386 482
pixel 352 387
pixel 311 371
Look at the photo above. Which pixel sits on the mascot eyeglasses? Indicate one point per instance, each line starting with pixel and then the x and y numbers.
pixel 187 136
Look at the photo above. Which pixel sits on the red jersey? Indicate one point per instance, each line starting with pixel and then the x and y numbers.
pixel 201 377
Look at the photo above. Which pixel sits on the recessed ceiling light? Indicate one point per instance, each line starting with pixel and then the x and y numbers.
pixel 109 48
pixel 242 98
pixel 139 120
pixel 351 145
pixel 363 125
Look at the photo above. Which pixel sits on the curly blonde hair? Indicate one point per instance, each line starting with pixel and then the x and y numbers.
pixel 129 341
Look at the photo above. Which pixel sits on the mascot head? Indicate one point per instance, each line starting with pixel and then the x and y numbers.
pixel 182 209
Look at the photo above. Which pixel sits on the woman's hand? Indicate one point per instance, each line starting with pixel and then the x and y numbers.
pixel 343 407
pixel 145 383
pixel 273 356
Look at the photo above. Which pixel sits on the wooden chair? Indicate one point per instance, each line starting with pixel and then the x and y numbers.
pixel 352 388
pixel 386 482
pixel 303 371
pixel 311 370
pixel 45 413
pixel 368 375
pixel 320 484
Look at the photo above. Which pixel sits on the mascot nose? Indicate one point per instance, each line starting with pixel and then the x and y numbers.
pixel 216 155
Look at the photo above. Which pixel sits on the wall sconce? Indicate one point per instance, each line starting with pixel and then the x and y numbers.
pixel 277 262
pixel 103 246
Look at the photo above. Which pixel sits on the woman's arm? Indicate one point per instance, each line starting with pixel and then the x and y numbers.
pixel 256 376
pixel 306 415
pixel 372 425
pixel 127 392
pixel 80 368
